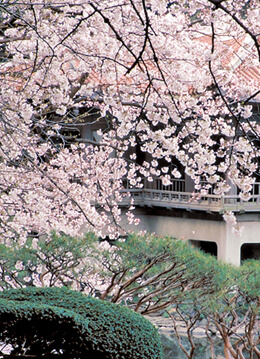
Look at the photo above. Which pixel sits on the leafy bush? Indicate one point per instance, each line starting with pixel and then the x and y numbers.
pixel 147 272
pixel 55 260
pixel 58 321
pixel 150 272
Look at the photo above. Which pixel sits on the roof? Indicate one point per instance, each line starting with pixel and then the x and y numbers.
pixel 233 53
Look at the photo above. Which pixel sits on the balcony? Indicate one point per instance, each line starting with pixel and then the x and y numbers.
pixel 155 195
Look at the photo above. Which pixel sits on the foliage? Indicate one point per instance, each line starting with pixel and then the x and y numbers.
pixel 51 261
pixel 238 315
pixel 151 272
pixel 44 321
pixel 250 270
pixel 159 87
pixel 145 271
pixel 232 313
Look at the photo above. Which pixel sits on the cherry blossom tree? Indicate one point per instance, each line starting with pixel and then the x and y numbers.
pixel 165 79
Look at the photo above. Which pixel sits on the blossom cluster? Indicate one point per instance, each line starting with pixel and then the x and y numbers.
pixel 169 80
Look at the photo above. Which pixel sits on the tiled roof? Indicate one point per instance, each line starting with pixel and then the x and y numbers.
pixel 233 52
pixel 249 73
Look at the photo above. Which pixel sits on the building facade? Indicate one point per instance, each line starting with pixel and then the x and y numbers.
pixel 174 210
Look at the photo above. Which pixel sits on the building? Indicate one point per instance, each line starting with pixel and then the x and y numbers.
pixel 175 211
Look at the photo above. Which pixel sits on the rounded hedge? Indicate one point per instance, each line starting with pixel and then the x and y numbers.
pixel 58 321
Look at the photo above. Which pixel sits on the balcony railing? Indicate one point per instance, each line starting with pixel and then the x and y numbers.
pixel 154 197
pixel 177 185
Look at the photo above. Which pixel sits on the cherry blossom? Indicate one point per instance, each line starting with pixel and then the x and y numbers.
pixel 175 81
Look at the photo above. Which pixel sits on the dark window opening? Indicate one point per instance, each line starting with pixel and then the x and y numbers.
pixel 205 246
pixel 250 251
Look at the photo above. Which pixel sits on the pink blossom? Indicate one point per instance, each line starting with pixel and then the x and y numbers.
pixel 230 218
pixel 154 97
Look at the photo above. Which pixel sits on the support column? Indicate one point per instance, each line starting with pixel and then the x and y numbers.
pixel 232 247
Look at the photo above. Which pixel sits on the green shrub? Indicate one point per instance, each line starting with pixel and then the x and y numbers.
pixel 59 321
pixel 151 273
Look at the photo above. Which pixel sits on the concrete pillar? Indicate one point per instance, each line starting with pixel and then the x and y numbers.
pixel 228 243
pixel 234 242
pixel 232 246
